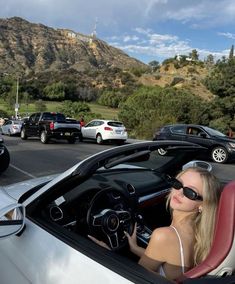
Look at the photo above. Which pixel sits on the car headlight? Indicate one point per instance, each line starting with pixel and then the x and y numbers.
pixel 231 144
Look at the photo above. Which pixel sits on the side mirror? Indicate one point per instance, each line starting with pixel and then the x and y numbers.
pixel 12 220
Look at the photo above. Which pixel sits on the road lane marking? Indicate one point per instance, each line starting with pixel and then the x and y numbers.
pixel 22 171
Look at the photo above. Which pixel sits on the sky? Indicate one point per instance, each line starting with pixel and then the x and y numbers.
pixel 144 29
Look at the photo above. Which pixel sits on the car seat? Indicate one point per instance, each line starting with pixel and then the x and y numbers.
pixel 221 258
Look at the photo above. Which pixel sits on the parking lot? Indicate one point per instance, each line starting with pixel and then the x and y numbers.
pixel 31 158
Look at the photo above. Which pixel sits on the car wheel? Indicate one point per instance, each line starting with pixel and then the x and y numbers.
pixel 162 152
pixel 23 135
pixel 219 155
pixel 44 138
pixel 99 139
pixel 5 160
pixel 80 138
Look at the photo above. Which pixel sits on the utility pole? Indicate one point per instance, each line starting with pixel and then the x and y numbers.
pixel 17 98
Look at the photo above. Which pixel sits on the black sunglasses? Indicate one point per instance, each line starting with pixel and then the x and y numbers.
pixel 187 191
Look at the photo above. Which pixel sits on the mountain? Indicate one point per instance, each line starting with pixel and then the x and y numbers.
pixel 42 56
pixel 28 47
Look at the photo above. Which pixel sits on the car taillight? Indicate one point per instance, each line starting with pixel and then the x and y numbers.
pixel 108 128
pixel 52 126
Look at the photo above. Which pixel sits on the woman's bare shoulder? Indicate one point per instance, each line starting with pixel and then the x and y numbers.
pixel 162 240
pixel 163 234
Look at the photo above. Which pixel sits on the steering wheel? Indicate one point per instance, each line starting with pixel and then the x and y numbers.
pixel 109 215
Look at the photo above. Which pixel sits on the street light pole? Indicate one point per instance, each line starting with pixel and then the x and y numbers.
pixel 17 98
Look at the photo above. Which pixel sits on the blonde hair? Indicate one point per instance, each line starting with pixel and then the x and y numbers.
pixel 204 221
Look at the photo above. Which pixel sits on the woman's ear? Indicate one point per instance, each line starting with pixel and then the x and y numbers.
pixel 200 209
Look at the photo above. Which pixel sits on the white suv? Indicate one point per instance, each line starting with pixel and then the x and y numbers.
pixel 105 130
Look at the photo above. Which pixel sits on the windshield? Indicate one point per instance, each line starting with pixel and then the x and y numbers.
pixel 214 132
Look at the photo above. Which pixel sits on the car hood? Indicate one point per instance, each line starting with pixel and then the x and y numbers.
pixel 16 190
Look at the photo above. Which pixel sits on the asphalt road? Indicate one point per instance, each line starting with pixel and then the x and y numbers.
pixel 31 159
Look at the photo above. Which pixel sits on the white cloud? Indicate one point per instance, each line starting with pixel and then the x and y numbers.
pixel 228 35
pixel 130 38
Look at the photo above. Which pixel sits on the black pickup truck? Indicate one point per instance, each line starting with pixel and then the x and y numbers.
pixel 47 125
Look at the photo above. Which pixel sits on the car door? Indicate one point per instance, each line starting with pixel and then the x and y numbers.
pixel 32 123
pixel 177 133
pixel 198 135
pixel 88 129
pixel 36 256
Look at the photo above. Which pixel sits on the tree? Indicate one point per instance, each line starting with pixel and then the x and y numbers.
pixel 231 53
pixel 154 65
pixel 55 91
pixel 194 55
pixel 151 107
pixel 221 80
pixel 209 61
pixel 74 109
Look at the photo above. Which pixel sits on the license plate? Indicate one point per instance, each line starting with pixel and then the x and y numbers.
pixel 67 134
pixel 118 131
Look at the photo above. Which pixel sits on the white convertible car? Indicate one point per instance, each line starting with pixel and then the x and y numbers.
pixel 44 222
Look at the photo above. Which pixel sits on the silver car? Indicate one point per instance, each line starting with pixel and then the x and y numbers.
pixel 12 127
pixel 45 222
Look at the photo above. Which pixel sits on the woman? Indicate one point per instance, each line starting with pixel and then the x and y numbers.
pixel 186 242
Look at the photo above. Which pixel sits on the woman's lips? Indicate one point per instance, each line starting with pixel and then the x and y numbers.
pixel 176 199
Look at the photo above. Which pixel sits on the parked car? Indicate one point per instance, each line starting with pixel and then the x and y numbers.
pixel 104 195
pixel 221 148
pixel 50 125
pixel 12 127
pixel 104 130
pixel 4 156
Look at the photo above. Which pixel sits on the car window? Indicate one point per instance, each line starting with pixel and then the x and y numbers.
pixel 37 117
pixel 115 123
pixel 214 132
pixel 32 117
pixel 47 116
pixel 194 131
pixel 91 124
pixel 178 129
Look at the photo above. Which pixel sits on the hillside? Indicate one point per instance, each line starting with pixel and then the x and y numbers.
pixel 28 47
pixel 41 56
pixel 188 77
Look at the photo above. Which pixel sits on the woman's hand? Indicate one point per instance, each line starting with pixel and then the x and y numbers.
pixel 100 243
pixel 132 240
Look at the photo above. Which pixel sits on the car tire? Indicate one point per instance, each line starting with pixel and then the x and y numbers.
pixel 162 152
pixel 5 160
pixel 99 139
pixel 23 135
pixel 80 138
pixel 219 155
pixel 43 137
